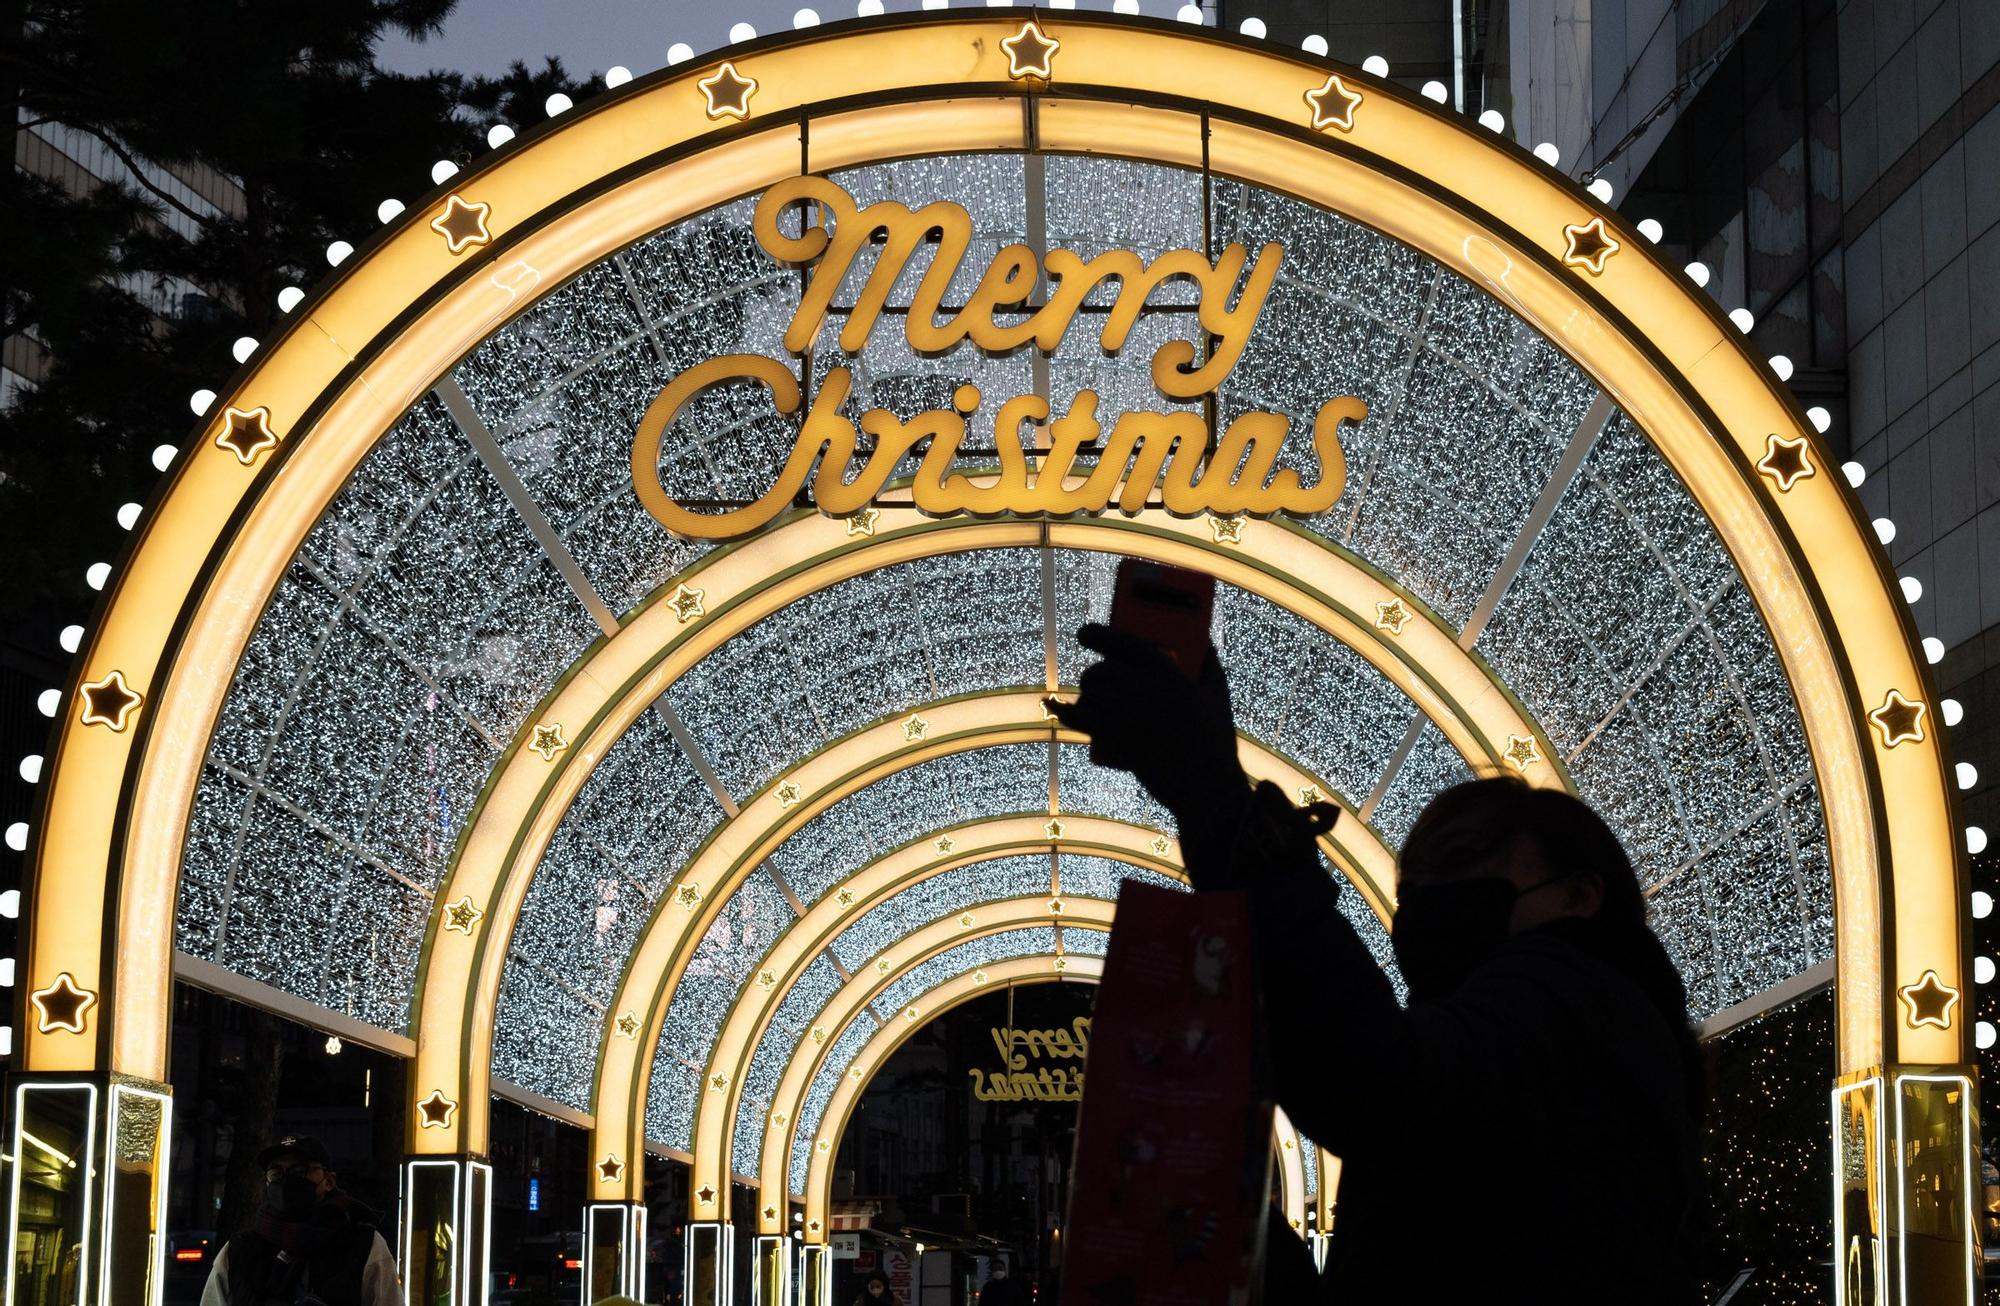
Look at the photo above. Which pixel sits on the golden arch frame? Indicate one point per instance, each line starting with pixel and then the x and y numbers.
pixel 106 838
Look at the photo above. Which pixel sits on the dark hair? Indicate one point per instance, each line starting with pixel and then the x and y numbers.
pixel 1476 820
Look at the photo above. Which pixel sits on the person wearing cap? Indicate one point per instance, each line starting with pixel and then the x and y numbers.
pixel 311 1245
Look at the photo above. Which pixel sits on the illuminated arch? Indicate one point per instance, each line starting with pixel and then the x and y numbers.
pixel 108 836
pixel 742 843
pixel 528 795
pixel 756 1004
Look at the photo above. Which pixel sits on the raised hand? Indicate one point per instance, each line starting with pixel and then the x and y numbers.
pixel 1144 715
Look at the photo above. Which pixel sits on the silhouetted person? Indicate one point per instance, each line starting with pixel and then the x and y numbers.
pixel 1527 1127
pixel 1001 1290
pixel 312 1244
pixel 876 1292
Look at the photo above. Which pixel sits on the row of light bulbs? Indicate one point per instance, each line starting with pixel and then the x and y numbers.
pixel 202 401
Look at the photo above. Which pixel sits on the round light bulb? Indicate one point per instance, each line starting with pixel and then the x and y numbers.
pixel 1435 92
pixel 616 76
pixel 1984 1034
pixel 1253 28
pixel 1885 530
pixel 742 32
pixel 1651 229
pixel 1493 120
pixel 289 297
pixel 1189 14
pixel 337 252
pixel 1854 472
pixel 10 904
pixel 48 701
pixel 31 768
pixel 1913 589
pixel 163 456
pixel 1975 840
pixel 17 836
pixel 498 134
pixel 243 348
pixel 387 210
pixel 1982 904
pixel 1782 366
pixel 557 104
pixel 1549 154
pixel 1967 774
pixel 1375 64
pixel 1315 45
pixel 1982 970
pixel 1952 711
pixel 805 18
pixel 1933 649
pixel 679 52
pixel 1743 318
pixel 71 638
pixel 1820 418
pixel 1600 188
pixel 444 169
pixel 870 9
pixel 97 574
pixel 201 401
pixel 128 515
pixel 1698 272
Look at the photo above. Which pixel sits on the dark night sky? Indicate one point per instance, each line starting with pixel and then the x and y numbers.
pixel 483 36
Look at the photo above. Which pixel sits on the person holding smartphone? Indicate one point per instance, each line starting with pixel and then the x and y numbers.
pixel 1528 1124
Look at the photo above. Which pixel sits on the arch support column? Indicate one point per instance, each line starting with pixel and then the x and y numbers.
pixel 87 1193
pixel 815 1281
pixel 444 1256
pixel 708 1264
pixel 614 1250
pixel 1906 1186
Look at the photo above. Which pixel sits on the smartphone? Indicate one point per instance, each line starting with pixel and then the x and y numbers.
pixel 1167 606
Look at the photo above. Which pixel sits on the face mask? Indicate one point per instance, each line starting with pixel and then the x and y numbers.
pixel 1444 931
pixel 294 1197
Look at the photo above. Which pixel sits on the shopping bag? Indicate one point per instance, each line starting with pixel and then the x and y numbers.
pixel 1173 1152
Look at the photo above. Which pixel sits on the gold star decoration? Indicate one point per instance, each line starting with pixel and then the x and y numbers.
pixel 819 1034
pixel 1030 52
pixel 1391 615
pixel 1785 461
pixel 246 432
pixel 687 603
pixel 770 1213
pixel 706 1195
pixel 967 921
pixel 882 964
pixel 1521 751
pixel 1160 845
pixel 728 92
pixel 1055 906
pixel 549 741
pixel 788 794
pixel 767 980
pixel 944 844
pixel 1226 530
pixel 855 1074
pixel 1048 713
pixel 688 895
pixel 1062 963
pixel 62 1005
pixel 915 728
pixel 1310 794
pixel 822 1146
pixel 910 1013
pixel 1590 243
pixel 462 224
pixel 778 1119
pixel 719 1082
pixel 462 915
pixel 109 702
pixel 1898 719
pixel 978 977
pixel 845 897
pixel 1333 105
pixel 1930 1001
pixel 863 522
pixel 812 1226
pixel 628 1026
pixel 610 1168
pixel 1054 829
pixel 435 1111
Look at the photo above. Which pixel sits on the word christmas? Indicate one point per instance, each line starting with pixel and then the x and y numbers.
pixel 1014 1082
pixel 1144 451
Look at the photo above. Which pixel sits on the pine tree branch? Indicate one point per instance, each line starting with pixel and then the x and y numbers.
pixel 132 165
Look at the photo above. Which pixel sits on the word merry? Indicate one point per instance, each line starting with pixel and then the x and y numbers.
pixel 1014 1082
